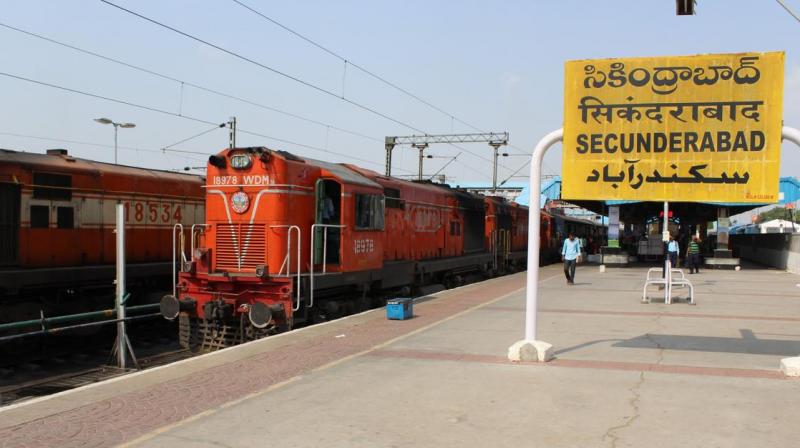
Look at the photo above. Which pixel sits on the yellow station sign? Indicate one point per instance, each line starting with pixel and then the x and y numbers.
pixel 683 128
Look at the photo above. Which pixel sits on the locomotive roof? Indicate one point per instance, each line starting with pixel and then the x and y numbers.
pixel 344 173
pixel 64 162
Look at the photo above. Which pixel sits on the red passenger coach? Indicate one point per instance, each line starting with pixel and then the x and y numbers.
pixel 290 239
pixel 57 220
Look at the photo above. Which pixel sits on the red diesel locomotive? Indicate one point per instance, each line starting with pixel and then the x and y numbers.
pixel 290 239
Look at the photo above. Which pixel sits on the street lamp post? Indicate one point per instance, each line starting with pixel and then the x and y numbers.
pixel 116 125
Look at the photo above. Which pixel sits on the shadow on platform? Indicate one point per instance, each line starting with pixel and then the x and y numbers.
pixel 747 344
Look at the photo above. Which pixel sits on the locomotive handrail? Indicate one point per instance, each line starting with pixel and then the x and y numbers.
pixel 183 257
pixel 287 260
pixel 324 258
pixel 191 245
pixel 493 241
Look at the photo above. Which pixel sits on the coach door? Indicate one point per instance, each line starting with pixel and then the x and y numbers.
pixel 9 223
pixel 327 237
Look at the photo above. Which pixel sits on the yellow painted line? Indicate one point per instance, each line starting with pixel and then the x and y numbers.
pixel 275 386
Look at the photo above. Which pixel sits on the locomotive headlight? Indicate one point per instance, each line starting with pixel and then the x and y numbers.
pixel 261 271
pixel 241 161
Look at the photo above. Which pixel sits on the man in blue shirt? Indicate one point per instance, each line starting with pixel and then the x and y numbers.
pixel 569 255
pixel 672 251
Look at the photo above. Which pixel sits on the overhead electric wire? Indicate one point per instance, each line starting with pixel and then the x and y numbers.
pixel 190 84
pixel 101 97
pixel 195 136
pixel 364 70
pixel 264 66
pixel 452 159
pixel 283 74
pixel 315 148
pixel 154 109
pixel 79 142
pixel 789 10
pixel 353 64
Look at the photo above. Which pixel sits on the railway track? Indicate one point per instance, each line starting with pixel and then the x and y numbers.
pixel 54 383
pixel 56 370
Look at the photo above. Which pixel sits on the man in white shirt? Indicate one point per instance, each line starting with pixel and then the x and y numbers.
pixel 570 253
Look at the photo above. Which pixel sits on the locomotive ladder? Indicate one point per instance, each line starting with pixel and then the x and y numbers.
pixel 287 260
pixel 325 228
pixel 177 229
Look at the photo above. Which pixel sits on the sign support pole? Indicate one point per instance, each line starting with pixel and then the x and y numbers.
pixel 791 366
pixel 531 349
pixel 667 263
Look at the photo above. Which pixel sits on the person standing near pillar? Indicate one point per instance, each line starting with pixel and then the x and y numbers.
pixel 693 255
pixel 570 253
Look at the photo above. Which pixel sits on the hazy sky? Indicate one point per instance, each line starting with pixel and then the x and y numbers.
pixel 497 65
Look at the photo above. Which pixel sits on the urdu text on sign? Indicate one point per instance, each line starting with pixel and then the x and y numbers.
pixel 685 128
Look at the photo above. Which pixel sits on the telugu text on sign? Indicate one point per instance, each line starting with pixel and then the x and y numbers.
pixel 685 128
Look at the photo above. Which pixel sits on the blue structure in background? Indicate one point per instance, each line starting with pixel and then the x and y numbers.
pixel 551 190
pixel 790 187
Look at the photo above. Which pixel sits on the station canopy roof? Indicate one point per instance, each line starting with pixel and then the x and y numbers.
pixel 632 211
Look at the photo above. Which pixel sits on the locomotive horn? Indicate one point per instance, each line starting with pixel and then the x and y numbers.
pixel 260 315
pixel 170 306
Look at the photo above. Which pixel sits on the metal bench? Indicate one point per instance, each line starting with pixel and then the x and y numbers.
pixel 677 279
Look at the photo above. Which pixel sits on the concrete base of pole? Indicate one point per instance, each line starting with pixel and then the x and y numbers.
pixel 791 366
pixel 527 350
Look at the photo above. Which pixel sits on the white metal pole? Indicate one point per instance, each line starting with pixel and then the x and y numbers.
pixel 534 222
pixel 791 366
pixel 791 134
pixel 121 336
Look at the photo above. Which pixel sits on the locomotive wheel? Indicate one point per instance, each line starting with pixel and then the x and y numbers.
pixel 208 336
pixel 187 331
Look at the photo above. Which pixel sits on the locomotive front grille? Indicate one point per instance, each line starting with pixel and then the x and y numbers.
pixel 240 247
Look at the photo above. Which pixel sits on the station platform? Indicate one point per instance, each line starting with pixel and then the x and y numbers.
pixel 625 374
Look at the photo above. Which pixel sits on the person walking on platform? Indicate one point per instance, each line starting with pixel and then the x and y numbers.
pixel 570 253
pixel 693 255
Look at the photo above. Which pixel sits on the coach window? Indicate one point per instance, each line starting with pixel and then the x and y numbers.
pixel 65 218
pixel 369 212
pixel 40 216
pixel 56 187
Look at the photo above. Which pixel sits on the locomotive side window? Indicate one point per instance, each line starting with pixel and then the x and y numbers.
pixel 40 216
pixel 392 196
pixel 455 228
pixel 65 218
pixel 56 187
pixel 369 212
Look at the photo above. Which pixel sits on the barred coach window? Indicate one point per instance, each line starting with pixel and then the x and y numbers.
pixel 369 211
pixel 40 216
pixel 57 187
pixel 65 218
